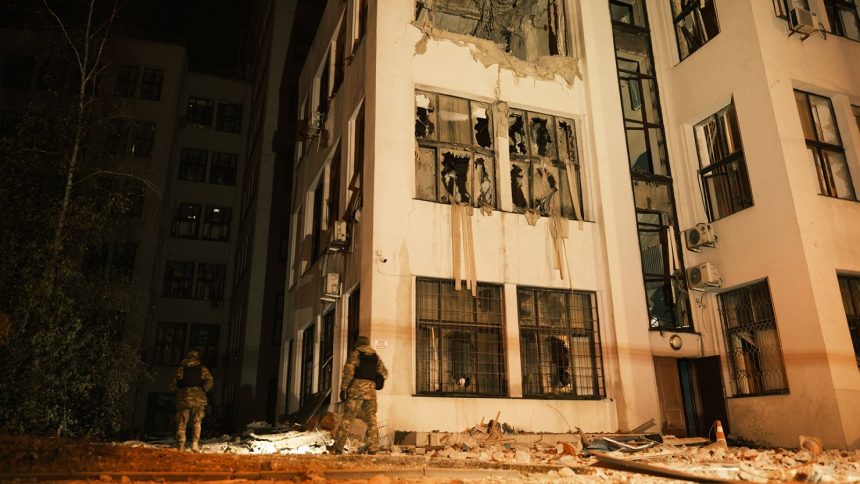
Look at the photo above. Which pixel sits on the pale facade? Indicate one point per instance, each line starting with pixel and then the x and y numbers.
pixel 634 135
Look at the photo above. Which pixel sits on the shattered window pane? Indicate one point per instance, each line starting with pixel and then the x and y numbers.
pixel 542 136
pixel 517 142
pixel 454 160
pixel 545 189
pixel 520 185
pixel 526 29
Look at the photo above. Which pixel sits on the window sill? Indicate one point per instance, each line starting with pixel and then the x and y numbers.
pixel 684 329
pixel 499 210
pixel 831 197
pixel 764 394
pixel 457 395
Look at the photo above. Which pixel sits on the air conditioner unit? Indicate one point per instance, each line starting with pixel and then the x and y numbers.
pixel 703 276
pixel 312 125
pixel 802 21
pixel 331 287
pixel 339 237
pixel 702 235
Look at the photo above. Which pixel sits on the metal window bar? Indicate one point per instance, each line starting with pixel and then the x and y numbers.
pixel 460 340
pixel 849 286
pixel 824 142
pixel 307 364
pixel 560 344
pixel 752 341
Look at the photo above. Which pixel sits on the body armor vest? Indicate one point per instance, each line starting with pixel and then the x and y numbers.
pixel 366 369
pixel 191 377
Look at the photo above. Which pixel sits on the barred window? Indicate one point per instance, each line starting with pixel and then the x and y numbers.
pixel 216 223
pixel 560 343
pixel 307 370
pixel 200 111
pixel 229 117
pixel 455 162
pixel 150 87
pixel 178 279
pixel 210 282
pixel 169 344
pixel 723 170
pixel 545 172
pixel 825 145
pixel 695 24
pixel 223 170
pixel 126 80
pixel 186 221
pixel 192 164
pixel 204 338
pixel 752 341
pixel 849 286
pixel 460 349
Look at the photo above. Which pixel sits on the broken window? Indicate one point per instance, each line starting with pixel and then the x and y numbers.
pixel 560 343
pixel 723 170
pixel 752 341
pixel 460 339
pixel 545 169
pixel 526 29
pixel 824 145
pixel 849 286
pixel 844 18
pixel 695 24
pixel 455 162
pixel 307 371
pixel 326 351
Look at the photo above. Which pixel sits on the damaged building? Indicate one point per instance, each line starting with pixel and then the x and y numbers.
pixel 582 214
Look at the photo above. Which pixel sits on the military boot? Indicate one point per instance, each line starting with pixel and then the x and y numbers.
pixel 180 445
pixel 195 446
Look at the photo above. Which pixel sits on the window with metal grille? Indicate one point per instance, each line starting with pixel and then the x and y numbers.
pixel 229 117
pixel 560 343
pixel 210 282
pixel 460 349
pixel 326 351
pixel 456 162
pixel 216 223
pixel 844 18
pixel 178 279
pixel 545 171
pixel 752 341
pixel 186 221
pixel 307 371
pixel 161 413
pixel 200 111
pixel 192 164
pixel 723 168
pixel 204 338
pixel 223 170
pixel 150 86
pixel 824 145
pixel 126 80
pixel 695 24
pixel 849 286
pixel 169 344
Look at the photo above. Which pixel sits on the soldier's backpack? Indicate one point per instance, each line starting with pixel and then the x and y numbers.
pixel 192 376
pixel 366 369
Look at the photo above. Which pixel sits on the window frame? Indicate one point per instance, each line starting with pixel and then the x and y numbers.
pixel 184 158
pixel 151 83
pixel 182 273
pixel 200 111
pixel 126 85
pixel 837 21
pixel 222 168
pixel 678 16
pixel 209 281
pixel 722 167
pixel 228 117
pixel 540 330
pixel 218 224
pixel 186 214
pixel 849 289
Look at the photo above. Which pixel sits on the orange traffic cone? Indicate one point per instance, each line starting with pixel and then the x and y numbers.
pixel 721 436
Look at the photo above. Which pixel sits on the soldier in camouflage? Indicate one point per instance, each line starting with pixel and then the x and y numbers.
pixel 358 389
pixel 192 382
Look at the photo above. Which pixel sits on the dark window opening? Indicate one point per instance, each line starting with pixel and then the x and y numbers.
pixel 318 247
pixel 223 170
pixel 333 208
pixel 178 279
pixel 326 351
pixel 200 111
pixel 324 83
pixel 210 282
pixel 229 117
pixel 824 145
pixel 752 341
pixel 204 338
pixel 143 138
pixel 307 369
pixel 192 164
pixel 460 340
pixel 186 221
pixel 216 223
pixel 695 24
pixel 150 86
pixel 169 344
pixel 849 287
pixel 339 56
pixel 844 18
pixel 560 344
pixel 126 81
pixel 352 323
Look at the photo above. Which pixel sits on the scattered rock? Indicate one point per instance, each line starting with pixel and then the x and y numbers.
pixel 105 478
pixel 523 457
pixel 566 472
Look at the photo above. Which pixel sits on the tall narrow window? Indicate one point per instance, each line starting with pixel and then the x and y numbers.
pixel 229 117
pixel 361 24
pixel 216 223
pixel 192 164
pixel 340 56
pixel 150 86
pixel 456 162
pixel 695 24
pixel 824 145
pixel 545 170
pixel 560 343
pixel 326 351
pixel 849 286
pixel 844 18
pixel 722 165
pixel 752 341
pixel 126 80
pixel 143 138
pixel 324 85
pixel 352 318
pixel 307 370
pixel 178 279
pixel 460 348
pixel 333 209
pixel 317 220
pixel 186 221
pixel 210 282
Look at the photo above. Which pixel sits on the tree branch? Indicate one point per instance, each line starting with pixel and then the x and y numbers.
pixel 66 34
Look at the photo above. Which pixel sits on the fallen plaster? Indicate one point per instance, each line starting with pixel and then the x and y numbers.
pixel 490 53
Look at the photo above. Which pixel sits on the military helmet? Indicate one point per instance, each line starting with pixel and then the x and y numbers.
pixel 362 341
pixel 193 355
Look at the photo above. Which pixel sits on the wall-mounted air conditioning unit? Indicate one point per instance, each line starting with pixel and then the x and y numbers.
pixel 703 276
pixel 331 287
pixel 339 237
pixel 702 235
pixel 802 21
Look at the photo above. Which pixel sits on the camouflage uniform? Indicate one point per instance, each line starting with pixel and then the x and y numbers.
pixel 360 393
pixel 191 400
